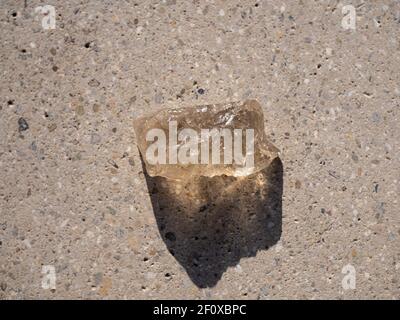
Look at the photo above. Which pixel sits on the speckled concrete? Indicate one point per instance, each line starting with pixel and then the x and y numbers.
pixel 73 194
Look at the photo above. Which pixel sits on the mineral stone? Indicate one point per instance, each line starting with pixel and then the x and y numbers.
pixel 205 141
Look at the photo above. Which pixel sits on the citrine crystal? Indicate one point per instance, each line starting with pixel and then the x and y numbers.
pixel 208 140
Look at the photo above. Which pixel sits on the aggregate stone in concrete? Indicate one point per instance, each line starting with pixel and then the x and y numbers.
pixel 76 216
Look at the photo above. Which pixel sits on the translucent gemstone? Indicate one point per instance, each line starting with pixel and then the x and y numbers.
pixel 205 141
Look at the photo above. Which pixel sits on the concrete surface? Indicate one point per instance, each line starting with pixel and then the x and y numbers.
pixel 73 195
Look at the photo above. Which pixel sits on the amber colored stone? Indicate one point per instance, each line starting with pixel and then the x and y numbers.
pixel 235 115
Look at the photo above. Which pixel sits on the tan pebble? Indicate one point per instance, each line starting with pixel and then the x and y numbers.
pixel 105 286
pixel 134 243
pixel 52 127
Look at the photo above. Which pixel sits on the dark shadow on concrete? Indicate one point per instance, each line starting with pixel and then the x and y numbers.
pixel 209 224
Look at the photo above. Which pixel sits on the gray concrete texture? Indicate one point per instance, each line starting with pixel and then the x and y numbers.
pixel 76 215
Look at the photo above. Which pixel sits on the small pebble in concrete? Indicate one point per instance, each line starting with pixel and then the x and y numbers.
pixel 94 83
pixel 22 125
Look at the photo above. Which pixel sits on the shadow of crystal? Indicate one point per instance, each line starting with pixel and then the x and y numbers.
pixel 209 224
